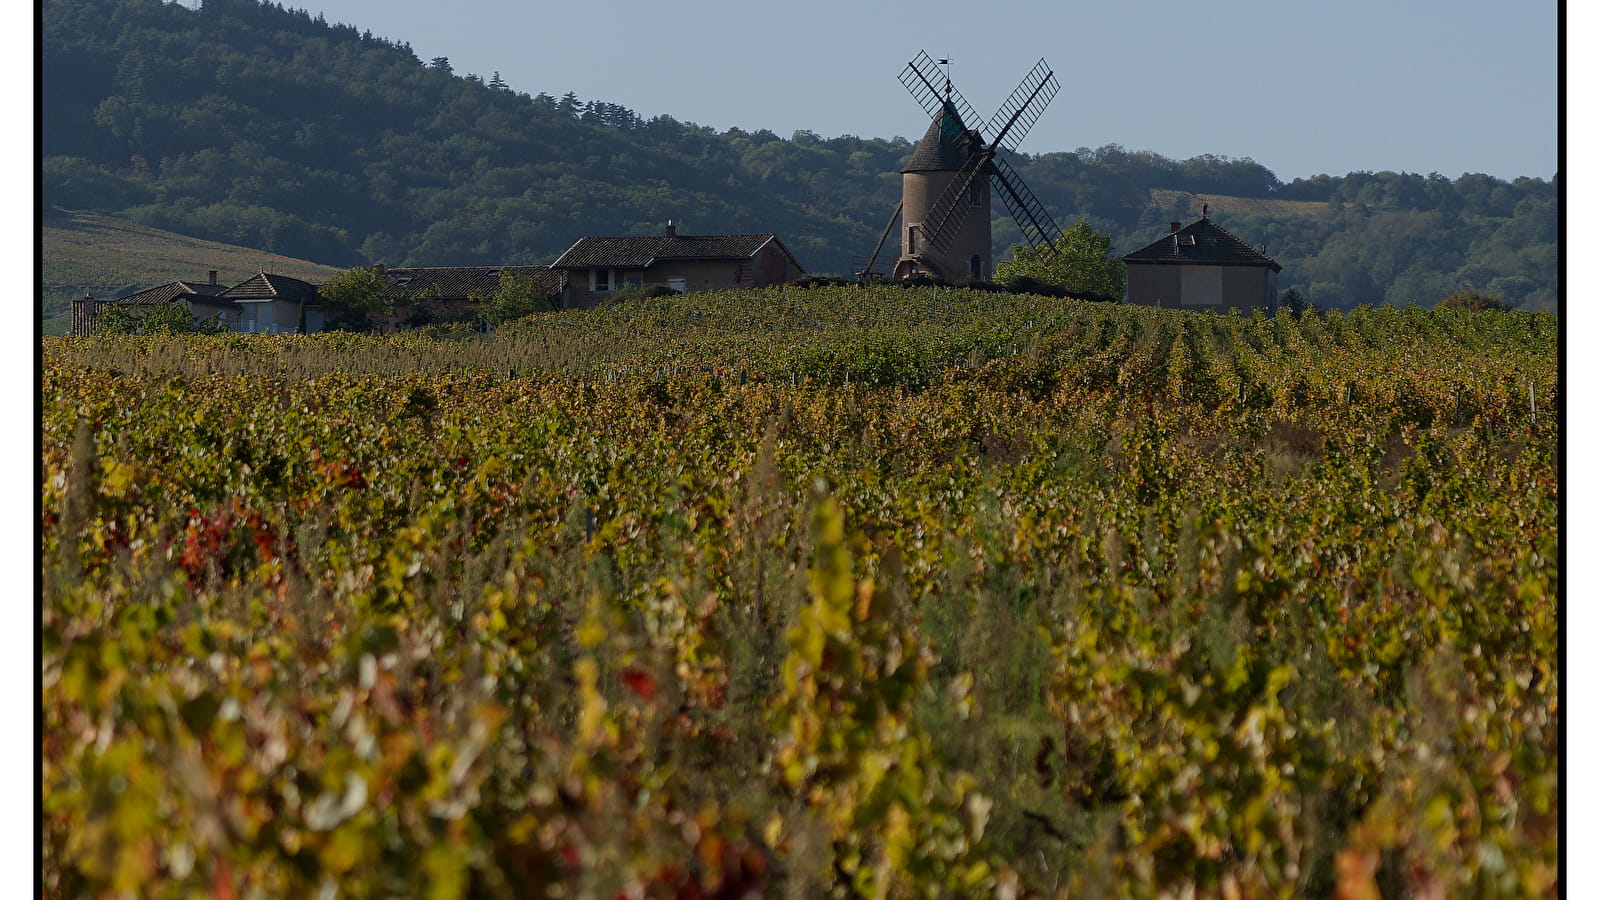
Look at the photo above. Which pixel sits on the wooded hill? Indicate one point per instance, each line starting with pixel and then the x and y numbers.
pixel 261 126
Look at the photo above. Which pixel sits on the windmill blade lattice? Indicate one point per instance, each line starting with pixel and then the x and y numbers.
pixel 1015 117
pixel 928 85
pixel 1037 226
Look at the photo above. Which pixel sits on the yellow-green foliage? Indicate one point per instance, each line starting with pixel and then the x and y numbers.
pixel 1080 261
pixel 835 592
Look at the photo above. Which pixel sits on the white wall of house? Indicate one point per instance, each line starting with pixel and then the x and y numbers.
pixel 274 317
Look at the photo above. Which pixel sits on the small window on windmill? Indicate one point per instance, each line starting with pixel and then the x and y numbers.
pixel 972 192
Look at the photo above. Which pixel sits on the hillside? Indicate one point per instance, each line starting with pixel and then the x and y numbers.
pixel 245 122
pixel 85 253
pixel 1192 205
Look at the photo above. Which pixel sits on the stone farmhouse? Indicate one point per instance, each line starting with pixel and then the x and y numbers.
pixel 594 268
pixel 266 303
pixel 199 296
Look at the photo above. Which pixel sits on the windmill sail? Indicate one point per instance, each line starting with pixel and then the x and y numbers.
pixel 1015 117
pixel 1037 227
pixel 928 86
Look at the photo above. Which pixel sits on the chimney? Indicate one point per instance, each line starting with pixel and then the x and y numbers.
pixel 672 230
pixel 1176 227
pixel 378 267
pixel 212 274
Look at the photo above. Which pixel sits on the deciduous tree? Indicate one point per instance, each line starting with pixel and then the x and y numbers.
pixel 518 296
pixel 351 297
pixel 1470 300
pixel 1080 261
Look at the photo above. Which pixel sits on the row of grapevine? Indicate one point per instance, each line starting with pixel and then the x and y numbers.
pixel 896 593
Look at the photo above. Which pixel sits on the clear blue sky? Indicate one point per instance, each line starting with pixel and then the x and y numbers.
pixel 1303 88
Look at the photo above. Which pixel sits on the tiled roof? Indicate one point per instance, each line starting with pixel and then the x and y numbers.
pixel 459 282
pixel 642 252
pixel 171 291
pixel 944 148
pixel 1203 242
pixel 272 287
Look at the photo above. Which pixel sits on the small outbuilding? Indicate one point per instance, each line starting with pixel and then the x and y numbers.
pixel 1202 266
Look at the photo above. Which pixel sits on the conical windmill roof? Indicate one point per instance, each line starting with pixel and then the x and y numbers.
pixel 944 148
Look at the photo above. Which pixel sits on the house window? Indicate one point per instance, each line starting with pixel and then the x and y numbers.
pixel 678 284
pixel 599 280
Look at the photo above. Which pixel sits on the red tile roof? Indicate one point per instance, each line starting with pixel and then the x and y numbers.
pixel 171 291
pixel 266 286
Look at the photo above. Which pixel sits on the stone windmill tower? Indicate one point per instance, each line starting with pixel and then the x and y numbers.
pixel 947 184
pixel 938 162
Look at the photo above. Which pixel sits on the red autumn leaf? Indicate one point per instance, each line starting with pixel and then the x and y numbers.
pixel 639 681
pixel 222 882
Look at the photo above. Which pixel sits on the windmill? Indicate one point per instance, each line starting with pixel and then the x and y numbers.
pixel 946 185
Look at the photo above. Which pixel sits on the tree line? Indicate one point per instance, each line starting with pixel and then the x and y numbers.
pixel 252 123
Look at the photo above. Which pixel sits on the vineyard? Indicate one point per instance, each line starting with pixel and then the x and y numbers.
pixel 897 592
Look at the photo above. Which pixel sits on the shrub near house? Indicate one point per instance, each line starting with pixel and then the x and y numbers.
pixel 376 297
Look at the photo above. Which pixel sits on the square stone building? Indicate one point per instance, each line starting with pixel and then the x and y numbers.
pixel 1202 266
